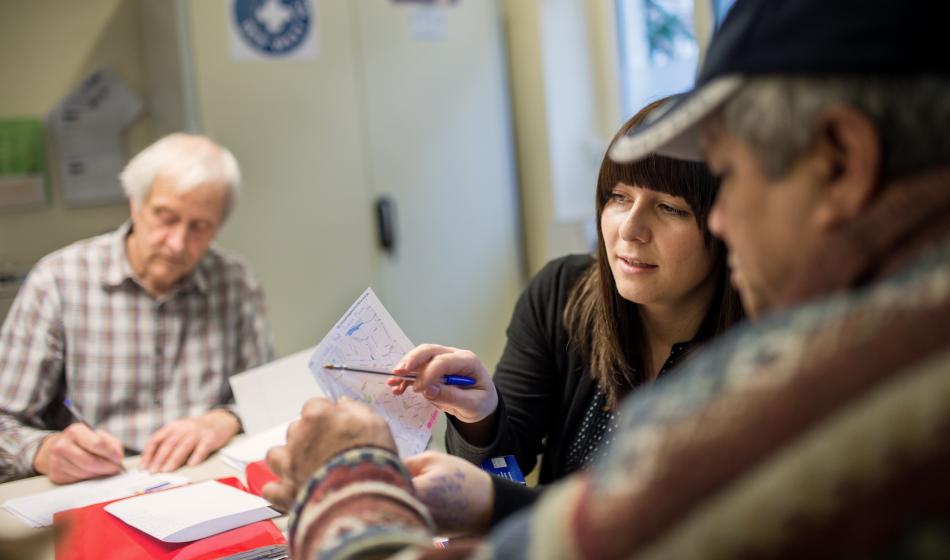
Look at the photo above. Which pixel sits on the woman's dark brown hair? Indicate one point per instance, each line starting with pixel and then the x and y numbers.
pixel 604 327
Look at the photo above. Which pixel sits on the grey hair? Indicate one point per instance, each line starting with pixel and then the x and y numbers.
pixel 189 160
pixel 777 117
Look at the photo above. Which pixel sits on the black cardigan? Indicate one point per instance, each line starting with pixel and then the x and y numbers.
pixel 543 388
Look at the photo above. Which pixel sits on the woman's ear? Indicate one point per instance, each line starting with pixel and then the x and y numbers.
pixel 849 146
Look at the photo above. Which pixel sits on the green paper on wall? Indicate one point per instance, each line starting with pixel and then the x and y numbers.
pixel 21 162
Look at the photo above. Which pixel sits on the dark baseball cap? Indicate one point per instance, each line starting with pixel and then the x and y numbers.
pixel 796 38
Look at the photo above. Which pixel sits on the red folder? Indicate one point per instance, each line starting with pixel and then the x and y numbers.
pixel 91 533
pixel 257 475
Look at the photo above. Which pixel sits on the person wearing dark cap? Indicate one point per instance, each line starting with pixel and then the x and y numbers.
pixel 818 430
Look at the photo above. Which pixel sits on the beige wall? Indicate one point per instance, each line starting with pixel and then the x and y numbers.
pixel 566 106
pixel 304 174
pixel 564 94
pixel 46 48
pixel 558 135
pixel 73 38
pixel 564 97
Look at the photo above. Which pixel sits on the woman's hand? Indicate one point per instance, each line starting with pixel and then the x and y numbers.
pixel 459 495
pixel 429 362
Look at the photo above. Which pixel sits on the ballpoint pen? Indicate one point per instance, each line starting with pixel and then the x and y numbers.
pixel 156 487
pixel 460 380
pixel 68 403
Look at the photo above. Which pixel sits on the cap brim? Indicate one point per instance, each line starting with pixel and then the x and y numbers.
pixel 674 132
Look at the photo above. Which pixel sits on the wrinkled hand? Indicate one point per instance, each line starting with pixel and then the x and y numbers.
pixel 188 439
pixel 323 430
pixel 78 453
pixel 429 362
pixel 459 495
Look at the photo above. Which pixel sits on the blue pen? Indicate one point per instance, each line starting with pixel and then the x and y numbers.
pixel 459 380
pixel 155 487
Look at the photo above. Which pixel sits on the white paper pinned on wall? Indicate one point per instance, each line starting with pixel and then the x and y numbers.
pixel 429 23
pixel 87 128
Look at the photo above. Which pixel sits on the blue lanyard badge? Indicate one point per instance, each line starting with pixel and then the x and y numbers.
pixel 505 467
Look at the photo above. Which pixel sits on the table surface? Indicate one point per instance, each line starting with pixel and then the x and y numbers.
pixel 12 528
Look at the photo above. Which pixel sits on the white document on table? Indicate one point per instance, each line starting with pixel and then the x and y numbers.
pixel 37 509
pixel 255 447
pixel 192 512
pixel 274 393
pixel 368 336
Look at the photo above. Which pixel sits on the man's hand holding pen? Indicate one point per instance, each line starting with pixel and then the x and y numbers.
pixel 78 452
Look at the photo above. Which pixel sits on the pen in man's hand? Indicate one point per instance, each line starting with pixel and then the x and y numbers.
pixel 68 403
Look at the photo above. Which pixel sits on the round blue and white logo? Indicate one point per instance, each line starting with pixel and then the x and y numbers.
pixel 273 27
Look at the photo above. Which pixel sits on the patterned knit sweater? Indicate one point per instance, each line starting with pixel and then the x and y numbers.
pixel 818 431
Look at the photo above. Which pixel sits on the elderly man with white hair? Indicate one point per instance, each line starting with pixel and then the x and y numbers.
pixel 138 329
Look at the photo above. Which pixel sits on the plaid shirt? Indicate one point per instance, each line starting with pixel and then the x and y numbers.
pixel 83 327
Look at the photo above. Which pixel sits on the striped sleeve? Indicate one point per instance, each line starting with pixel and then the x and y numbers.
pixel 31 363
pixel 360 503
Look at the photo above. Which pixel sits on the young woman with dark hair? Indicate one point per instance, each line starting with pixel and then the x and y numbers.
pixel 590 329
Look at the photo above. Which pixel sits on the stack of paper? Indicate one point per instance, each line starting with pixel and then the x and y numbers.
pixel 37 510
pixel 254 448
pixel 274 393
pixel 368 336
pixel 192 512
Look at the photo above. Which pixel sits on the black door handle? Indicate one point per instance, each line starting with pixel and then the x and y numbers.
pixel 386 223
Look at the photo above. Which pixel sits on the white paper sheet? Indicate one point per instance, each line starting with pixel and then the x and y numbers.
pixel 367 335
pixel 192 512
pixel 37 510
pixel 254 448
pixel 87 126
pixel 274 393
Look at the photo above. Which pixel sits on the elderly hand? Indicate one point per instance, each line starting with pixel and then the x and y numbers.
pixel 429 362
pixel 323 430
pixel 459 495
pixel 189 439
pixel 78 453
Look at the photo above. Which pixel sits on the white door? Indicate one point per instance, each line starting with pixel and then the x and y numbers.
pixel 378 112
pixel 303 221
pixel 434 84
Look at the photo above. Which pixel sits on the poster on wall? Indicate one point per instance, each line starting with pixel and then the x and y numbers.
pixel 428 19
pixel 87 129
pixel 21 163
pixel 273 30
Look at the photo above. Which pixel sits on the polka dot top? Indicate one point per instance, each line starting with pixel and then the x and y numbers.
pixel 599 425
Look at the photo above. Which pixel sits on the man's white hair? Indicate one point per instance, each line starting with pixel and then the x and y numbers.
pixel 187 159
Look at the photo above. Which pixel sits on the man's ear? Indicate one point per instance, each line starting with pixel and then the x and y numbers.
pixel 849 146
